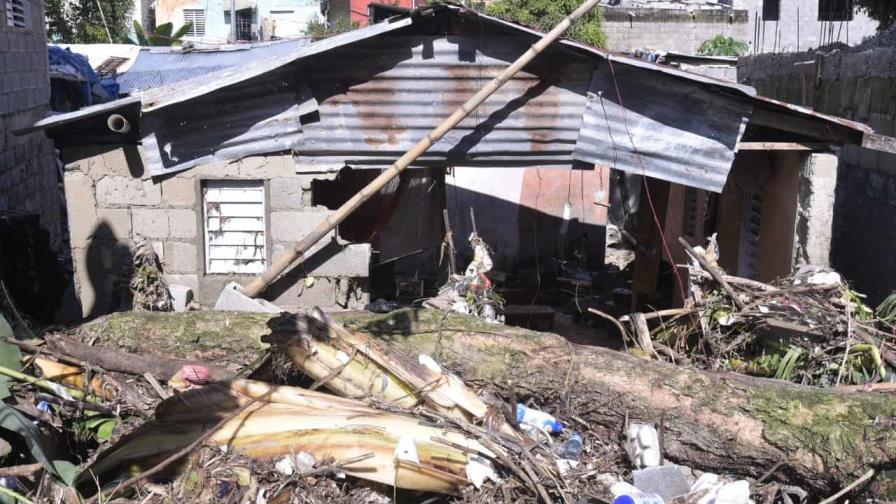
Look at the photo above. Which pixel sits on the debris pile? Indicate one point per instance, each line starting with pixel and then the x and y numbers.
pixel 810 328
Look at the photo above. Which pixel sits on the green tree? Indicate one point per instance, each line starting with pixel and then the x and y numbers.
pixel 162 36
pixel 546 14
pixel 319 29
pixel 721 45
pixel 81 22
pixel 884 11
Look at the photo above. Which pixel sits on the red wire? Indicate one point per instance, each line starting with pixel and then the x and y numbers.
pixel 656 218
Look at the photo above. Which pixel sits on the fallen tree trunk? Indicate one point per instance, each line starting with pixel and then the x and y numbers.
pixel 719 422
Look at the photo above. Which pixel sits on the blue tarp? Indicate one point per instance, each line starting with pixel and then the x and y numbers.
pixel 73 82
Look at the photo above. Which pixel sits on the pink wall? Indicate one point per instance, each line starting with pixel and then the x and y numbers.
pixel 359 7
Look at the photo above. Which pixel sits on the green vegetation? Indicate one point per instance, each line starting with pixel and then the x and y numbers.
pixel 319 29
pixel 721 45
pixel 162 36
pixel 884 11
pixel 81 22
pixel 546 14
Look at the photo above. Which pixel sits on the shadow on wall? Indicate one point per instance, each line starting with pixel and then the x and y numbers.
pixel 105 283
pixel 861 248
pixel 520 214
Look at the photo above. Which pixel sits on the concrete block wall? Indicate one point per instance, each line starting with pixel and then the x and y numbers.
pixel 799 29
pixel 114 208
pixel 677 30
pixel 857 85
pixel 29 172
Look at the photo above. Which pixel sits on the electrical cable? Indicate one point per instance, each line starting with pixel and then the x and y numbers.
pixel 656 219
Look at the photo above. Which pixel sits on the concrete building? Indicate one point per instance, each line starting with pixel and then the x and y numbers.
pixel 224 171
pixel 29 172
pixel 358 11
pixel 766 25
pixel 859 85
pixel 254 20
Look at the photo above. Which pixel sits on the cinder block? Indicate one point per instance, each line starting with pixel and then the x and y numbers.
pixel 191 281
pixel 179 192
pixel 115 191
pixel 329 259
pixel 82 217
pixel 151 222
pixel 181 257
pixel 286 193
pixel 292 226
pixel 267 167
pixel 114 223
pixel 182 223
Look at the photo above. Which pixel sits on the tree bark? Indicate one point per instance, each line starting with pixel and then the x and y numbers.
pixel 720 422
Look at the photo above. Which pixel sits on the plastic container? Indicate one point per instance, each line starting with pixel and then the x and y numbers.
pixel 571 449
pixel 643 445
pixel 538 419
pixel 638 498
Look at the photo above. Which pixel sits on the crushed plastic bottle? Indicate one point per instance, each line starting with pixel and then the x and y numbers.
pixel 538 419
pixel 638 498
pixel 571 449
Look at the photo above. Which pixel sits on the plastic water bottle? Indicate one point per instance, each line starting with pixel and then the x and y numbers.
pixel 537 418
pixel 571 449
pixel 638 498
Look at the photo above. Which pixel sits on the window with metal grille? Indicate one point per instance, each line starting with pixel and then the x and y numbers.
pixel 18 13
pixel 835 10
pixel 234 226
pixel 197 17
pixel 771 10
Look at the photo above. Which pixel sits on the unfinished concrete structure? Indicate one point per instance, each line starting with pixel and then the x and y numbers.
pixel 223 171
pixel 29 174
pixel 859 85
pixel 766 25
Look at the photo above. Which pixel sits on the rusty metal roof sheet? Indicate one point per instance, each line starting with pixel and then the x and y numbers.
pixel 404 86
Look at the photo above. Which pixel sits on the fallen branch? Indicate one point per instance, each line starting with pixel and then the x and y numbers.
pixel 672 312
pixel 20 471
pixel 852 486
pixel 725 423
pixel 162 368
pixel 612 319
pixel 717 274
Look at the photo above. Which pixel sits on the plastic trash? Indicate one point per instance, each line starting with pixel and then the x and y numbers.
pixel 537 419
pixel 638 498
pixel 666 480
pixel 643 445
pixel 571 449
pixel 737 492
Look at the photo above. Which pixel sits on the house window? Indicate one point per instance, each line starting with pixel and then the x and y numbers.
pixel 197 17
pixel 234 226
pixel 18 13
pixel 835 10
pixel 771 10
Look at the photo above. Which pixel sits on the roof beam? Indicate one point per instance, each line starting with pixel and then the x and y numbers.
pixel 821 130
pixel 782 146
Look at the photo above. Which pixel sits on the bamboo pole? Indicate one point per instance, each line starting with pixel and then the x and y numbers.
pixel 261 282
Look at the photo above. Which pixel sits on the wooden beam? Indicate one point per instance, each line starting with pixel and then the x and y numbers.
pixel 819 129
pixel 881 143
pixel 782 146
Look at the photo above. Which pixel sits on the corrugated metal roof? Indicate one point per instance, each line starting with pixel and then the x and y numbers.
pixel 163 66
pixel 161 97
pixel 241 121
pixel 403 87
pixel 662 128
